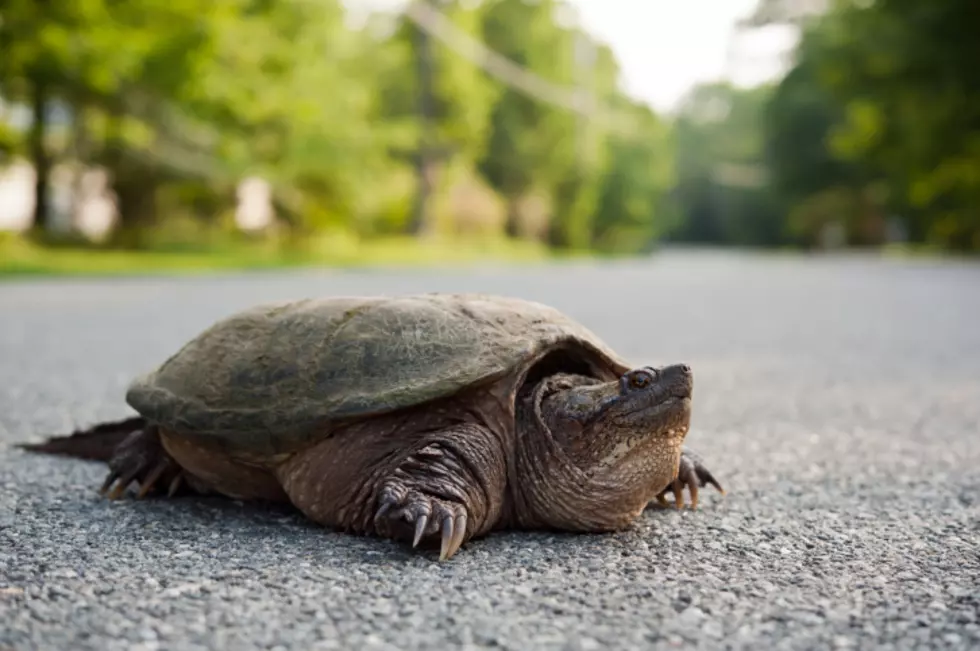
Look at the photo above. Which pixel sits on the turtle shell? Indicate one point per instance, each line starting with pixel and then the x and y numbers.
pixel 275 373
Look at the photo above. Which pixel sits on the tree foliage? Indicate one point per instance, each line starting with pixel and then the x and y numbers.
pixel 906 76
pixel 181 101
pixel 722 190
pixel 875 126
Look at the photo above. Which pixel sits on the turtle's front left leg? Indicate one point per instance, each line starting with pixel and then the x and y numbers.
pixel 693 475
pixel 446 491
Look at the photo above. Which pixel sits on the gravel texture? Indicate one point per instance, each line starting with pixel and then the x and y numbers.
pixel 837 398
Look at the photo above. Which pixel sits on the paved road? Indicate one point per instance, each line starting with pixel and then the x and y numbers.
pixel 838 400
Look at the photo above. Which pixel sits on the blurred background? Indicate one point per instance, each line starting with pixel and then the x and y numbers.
pixel 262 133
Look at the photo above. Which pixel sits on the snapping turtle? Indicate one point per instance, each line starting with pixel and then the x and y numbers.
pixel 430 418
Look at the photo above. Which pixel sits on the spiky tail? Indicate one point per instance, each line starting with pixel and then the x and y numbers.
pixel 96 443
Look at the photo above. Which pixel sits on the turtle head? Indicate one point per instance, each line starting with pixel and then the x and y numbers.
pixel 606 427
pixel 613 444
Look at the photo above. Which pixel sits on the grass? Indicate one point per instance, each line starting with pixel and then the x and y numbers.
pixel 20 256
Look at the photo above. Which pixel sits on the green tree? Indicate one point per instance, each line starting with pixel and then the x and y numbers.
pixel 457 110
pixel 580 176
pixel 163 93
pixel 906 114
pixel 529 139
pixel 722 190
pixel 818 190
pixel 631 211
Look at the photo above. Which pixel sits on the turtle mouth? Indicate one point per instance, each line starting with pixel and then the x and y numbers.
pixel 672 400
pixel 666 418
pixel 664 423
pixel 671 411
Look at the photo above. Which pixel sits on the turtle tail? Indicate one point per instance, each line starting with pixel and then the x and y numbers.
pixel 96 443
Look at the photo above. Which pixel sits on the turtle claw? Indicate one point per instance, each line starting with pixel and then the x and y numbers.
pixel 122 485
pixel 141 458
pixel 453 532
pixel 111 477
pixel 389 500
pixel 415 515
pixel 420 525
pixel 678 488
pixel 693 475
pixel 175 484
pixel 147 484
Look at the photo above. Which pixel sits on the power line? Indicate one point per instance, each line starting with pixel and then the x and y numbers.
pixel 574 99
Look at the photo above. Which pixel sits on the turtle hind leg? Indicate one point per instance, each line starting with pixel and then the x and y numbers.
pixel 141 458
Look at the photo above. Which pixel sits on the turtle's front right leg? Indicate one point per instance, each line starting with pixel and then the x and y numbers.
pixel 692 474
pixel 447 491
pixel 141 458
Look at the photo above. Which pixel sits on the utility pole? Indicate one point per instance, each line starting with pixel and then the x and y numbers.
pixel 425 155
pixel 585 63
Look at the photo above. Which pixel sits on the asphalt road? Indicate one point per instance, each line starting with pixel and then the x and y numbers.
pixel 838 399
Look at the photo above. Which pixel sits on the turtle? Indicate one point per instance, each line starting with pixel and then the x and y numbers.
pixel 429 419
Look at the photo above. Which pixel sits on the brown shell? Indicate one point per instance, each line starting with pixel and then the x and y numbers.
pixel 280 370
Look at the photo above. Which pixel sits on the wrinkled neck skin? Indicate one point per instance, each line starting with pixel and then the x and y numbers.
pixel 590 455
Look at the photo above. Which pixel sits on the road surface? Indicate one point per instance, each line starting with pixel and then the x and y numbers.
pixel 838 399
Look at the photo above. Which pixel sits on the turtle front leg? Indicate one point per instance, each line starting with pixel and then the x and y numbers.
pixel 140 457
pixel 448 490
pixel 692 474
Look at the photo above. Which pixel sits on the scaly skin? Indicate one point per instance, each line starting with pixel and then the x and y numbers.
pixel 568 453
pixel 597 453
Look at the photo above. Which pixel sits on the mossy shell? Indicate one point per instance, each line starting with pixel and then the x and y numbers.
pixel 273 375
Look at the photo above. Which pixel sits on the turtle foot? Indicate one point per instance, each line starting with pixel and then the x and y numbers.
pixel 141 458
pixel 693 475
pixel 444 493
pixel 408 512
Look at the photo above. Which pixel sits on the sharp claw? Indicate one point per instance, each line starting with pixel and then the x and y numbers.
pixel 447 536
pixel 111 477
pixel 703 474
pixel 420 525
pixel 459 531
pixel 144 489
pixel 175 485
pixel 693 487
pixel 705 477
pixel 383 509
pixel 123 484
pixel 678 490
pixel 151 479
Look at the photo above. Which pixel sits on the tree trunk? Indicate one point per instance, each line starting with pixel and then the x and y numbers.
pixel 135 186
pixel 420 218
pixel 39 155
pixel 512 226
pixel 425 172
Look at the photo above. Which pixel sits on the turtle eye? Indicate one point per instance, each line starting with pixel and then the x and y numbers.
pixel 640 380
